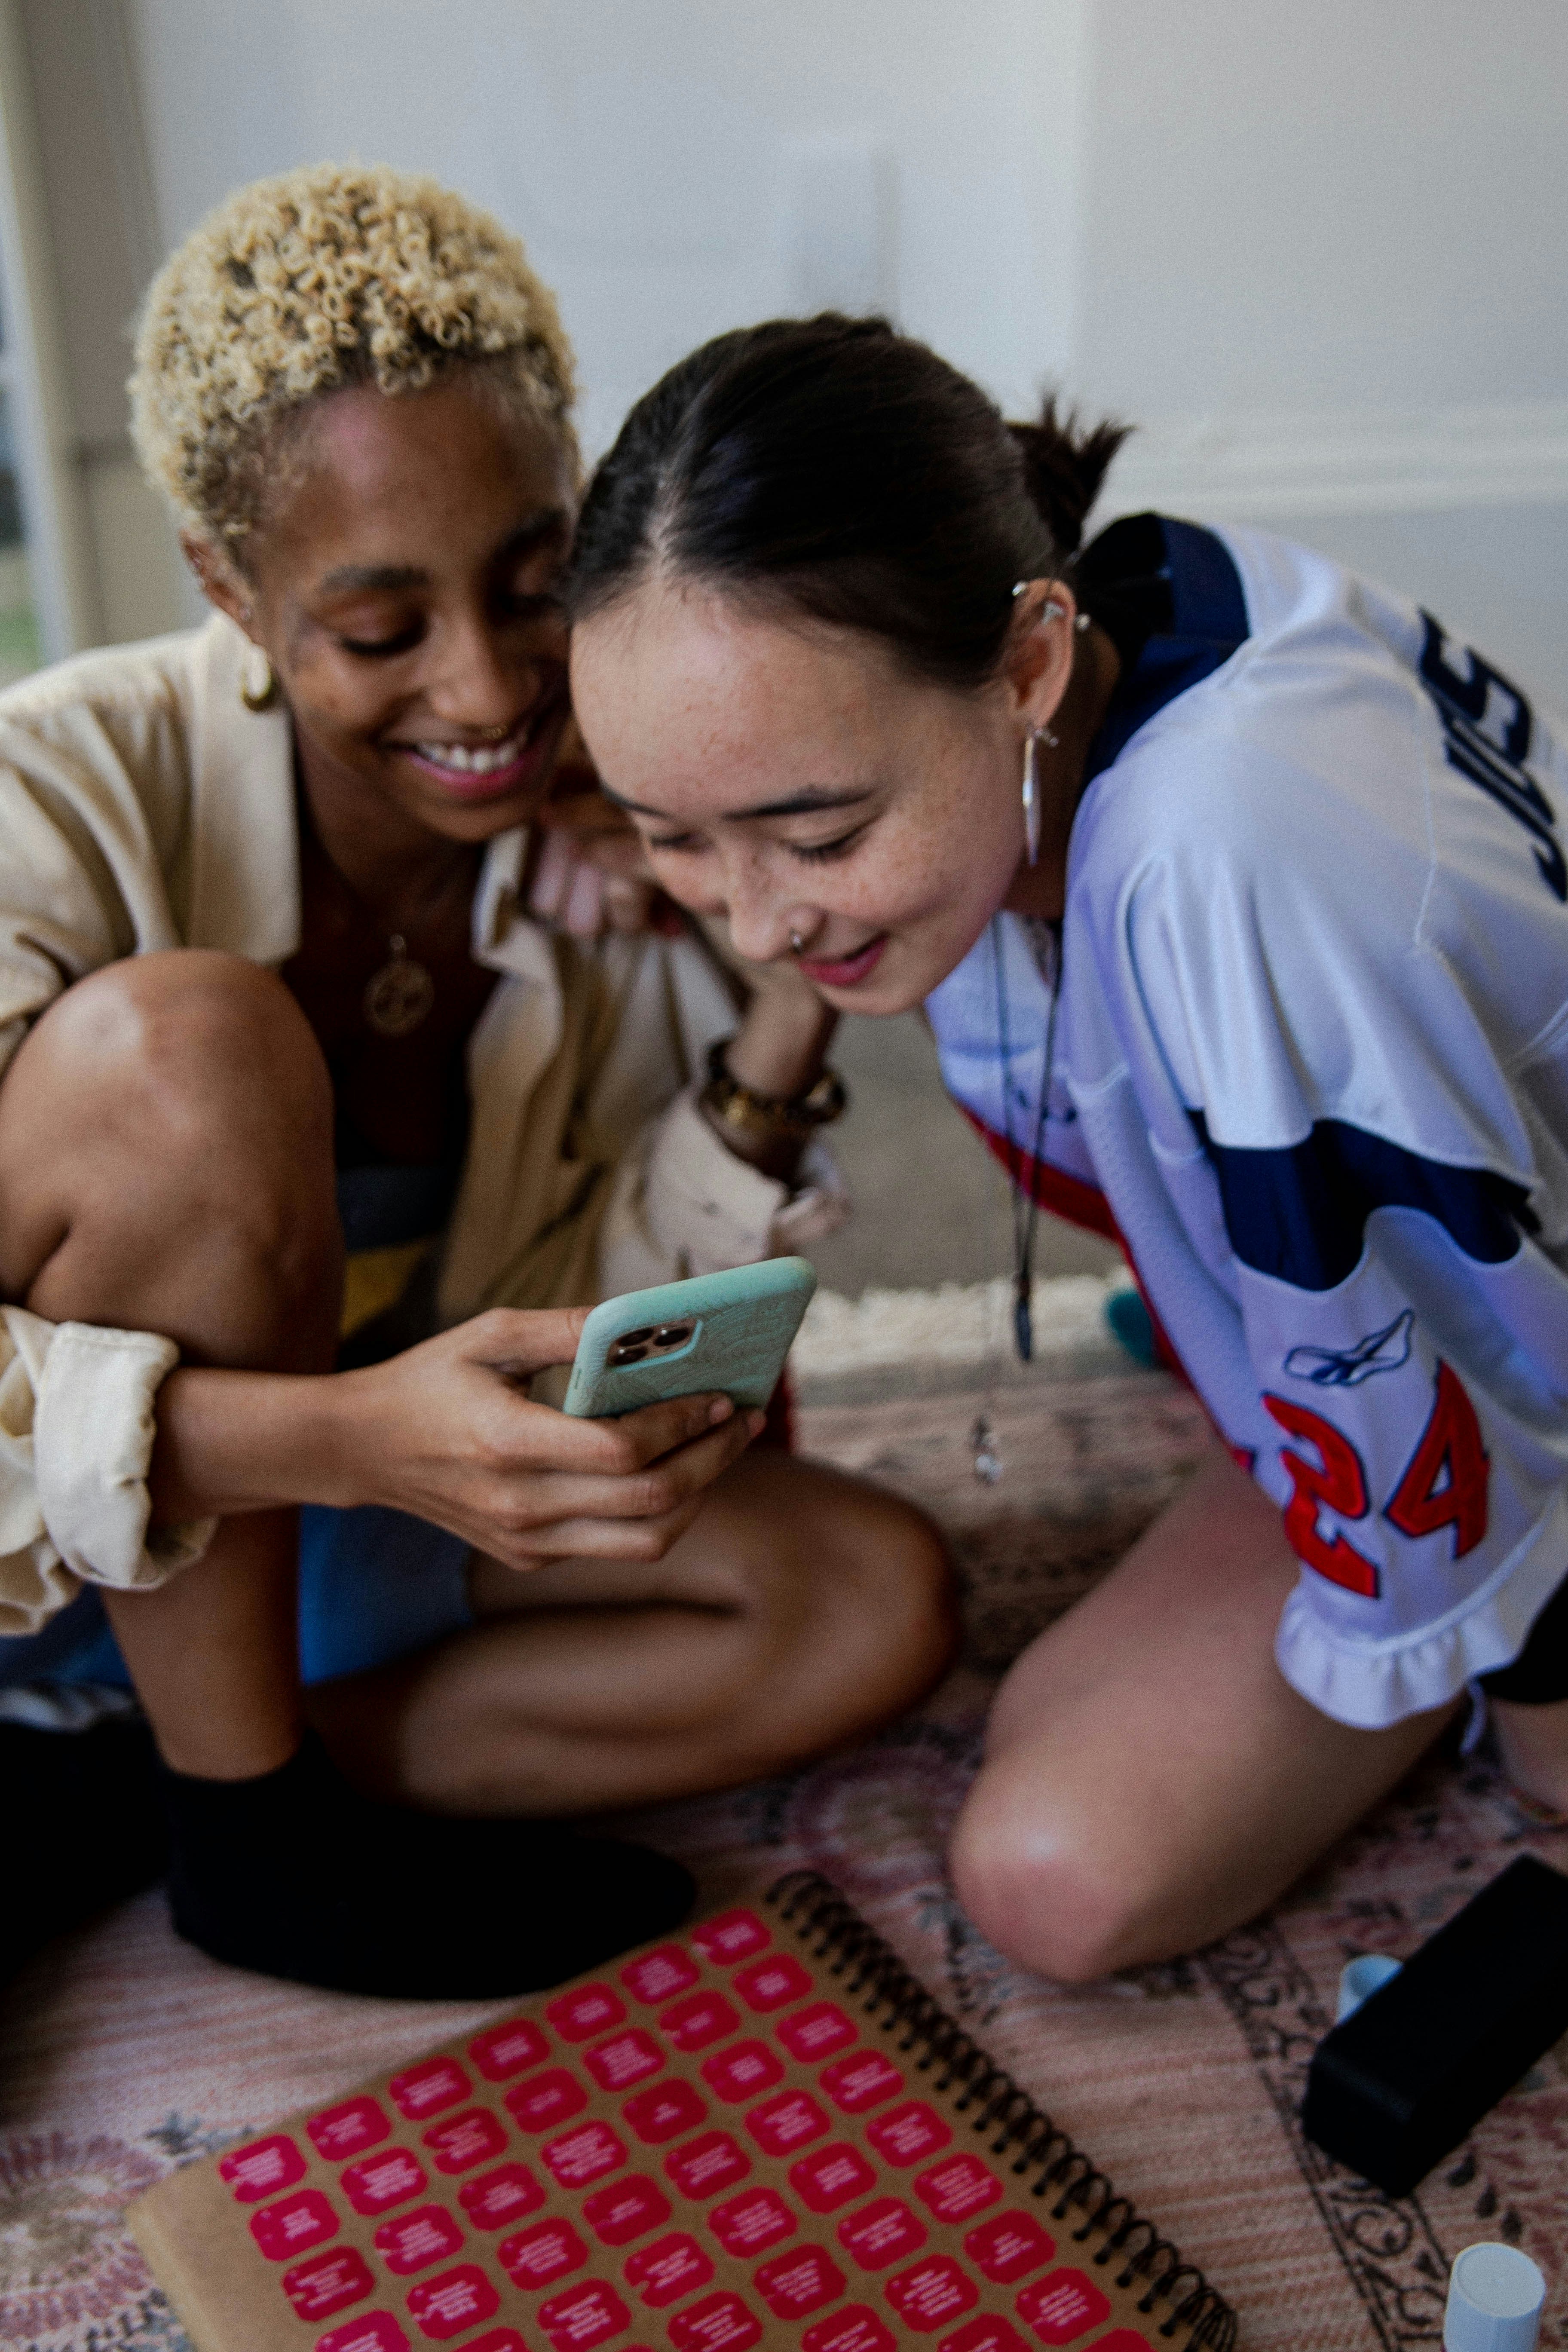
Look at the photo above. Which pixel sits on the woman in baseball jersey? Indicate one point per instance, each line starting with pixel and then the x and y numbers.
pixel 1234 892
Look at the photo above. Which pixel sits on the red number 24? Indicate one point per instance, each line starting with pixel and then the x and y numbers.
pixel 1443 1485
pixel 1340 1484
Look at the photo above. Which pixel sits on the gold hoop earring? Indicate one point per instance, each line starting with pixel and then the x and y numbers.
pixel 262 697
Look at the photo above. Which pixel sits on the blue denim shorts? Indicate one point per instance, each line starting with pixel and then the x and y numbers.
pixel 373 1586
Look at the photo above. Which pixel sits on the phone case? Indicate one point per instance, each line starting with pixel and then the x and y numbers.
pixel 741 1320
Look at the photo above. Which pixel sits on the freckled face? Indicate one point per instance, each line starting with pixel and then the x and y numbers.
pixel 793 777
pixel 407 592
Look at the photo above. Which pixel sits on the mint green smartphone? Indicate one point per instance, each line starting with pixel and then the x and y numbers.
pixel 728 1332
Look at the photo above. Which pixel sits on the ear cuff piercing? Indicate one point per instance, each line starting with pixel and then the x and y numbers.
pixel 1051 610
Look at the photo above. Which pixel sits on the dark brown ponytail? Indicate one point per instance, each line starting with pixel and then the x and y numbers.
pixel 1065 465
pixel 835 468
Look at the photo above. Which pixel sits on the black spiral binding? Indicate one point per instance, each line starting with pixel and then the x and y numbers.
pixel 1004 2109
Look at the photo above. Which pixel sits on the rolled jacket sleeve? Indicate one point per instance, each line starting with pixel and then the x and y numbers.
pixel 76 1439
pixel 142 808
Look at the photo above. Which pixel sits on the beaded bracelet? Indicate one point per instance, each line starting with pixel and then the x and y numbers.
pixel 769 1117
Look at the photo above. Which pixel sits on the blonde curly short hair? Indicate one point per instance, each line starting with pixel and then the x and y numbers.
pixel 325 276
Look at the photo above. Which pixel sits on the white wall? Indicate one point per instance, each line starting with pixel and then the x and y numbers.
pixel 1314 247
pixel 1339 203
pixel 1321 262
pixel 653 153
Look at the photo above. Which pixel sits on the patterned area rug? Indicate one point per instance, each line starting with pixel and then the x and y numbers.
pixel 121 2051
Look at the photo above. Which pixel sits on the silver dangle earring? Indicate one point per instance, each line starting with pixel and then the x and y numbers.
pixel 1049 610
pixel 1031 790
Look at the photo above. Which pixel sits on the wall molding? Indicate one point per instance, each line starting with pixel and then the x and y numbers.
pixel 1270 467
pixel 59 531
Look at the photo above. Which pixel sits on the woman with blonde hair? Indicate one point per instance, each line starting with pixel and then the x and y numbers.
pixel 270 983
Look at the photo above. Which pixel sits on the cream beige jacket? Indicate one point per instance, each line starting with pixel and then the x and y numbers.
pixel 143 806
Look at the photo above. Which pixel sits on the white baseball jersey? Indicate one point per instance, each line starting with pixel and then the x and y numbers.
pixel 1311 1056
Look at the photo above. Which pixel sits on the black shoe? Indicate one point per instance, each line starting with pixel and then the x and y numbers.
pixel 295 1874
pixel 85 1827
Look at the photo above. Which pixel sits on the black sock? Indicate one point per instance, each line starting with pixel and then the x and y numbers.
pixel 296 1874
pixel 84 1831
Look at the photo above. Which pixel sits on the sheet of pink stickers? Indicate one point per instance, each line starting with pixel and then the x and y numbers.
pixel 701 2151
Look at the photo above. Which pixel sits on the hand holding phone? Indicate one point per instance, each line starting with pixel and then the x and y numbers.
pixel 448 1431
pixel 728 1332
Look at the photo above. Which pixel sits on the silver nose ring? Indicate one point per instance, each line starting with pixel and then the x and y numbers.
pixel 795 943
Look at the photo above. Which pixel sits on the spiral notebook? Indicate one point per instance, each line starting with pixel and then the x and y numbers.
pixel 763 2133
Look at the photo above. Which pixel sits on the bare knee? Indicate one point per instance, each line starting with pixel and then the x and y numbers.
pixel 894 1570
pixel 168 1106
pixel 180 1037
pixel 1044 1881
pixel 855 1588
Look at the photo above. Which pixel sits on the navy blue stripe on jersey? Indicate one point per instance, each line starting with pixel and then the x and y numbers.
pixel 1171 595
pixel 1301 1213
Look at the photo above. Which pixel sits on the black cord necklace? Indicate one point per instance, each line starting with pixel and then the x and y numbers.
pixel 1047 940
pixel 1026 1202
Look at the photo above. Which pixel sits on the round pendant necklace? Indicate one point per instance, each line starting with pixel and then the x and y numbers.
pixel 398 996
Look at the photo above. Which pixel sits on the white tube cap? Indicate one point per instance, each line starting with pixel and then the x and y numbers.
pixel 1495 2294
pixel 1359 1980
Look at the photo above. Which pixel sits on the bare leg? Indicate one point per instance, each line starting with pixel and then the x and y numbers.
pixel 166 1165
pixel 1533 1742
pixel 800 1611
pixel 1150 1778
pixel 185 1186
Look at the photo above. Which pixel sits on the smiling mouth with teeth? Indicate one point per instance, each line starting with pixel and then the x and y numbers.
pixel 483 759
pixel 488 771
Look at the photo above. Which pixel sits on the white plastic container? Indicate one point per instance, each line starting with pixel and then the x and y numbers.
pixel 1495 2294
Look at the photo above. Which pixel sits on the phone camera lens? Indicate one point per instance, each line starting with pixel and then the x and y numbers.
pixel 672 1335
pixel 623 1354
